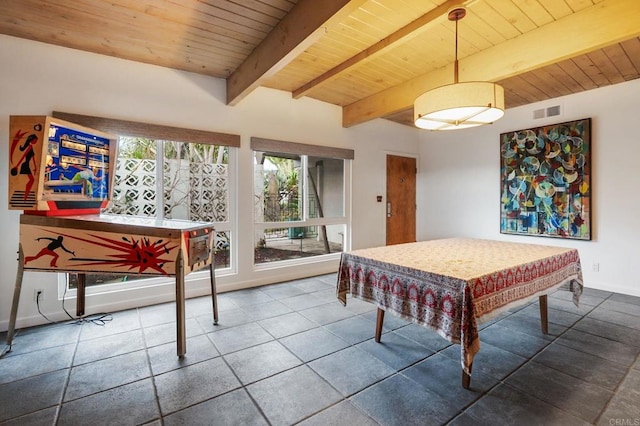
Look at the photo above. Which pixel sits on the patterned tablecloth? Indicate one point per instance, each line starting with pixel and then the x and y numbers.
pixel 452 285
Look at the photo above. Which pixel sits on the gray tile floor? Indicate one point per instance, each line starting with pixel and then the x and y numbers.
pixel 290 353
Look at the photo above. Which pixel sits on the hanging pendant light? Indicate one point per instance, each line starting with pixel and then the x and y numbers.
pixel 459 105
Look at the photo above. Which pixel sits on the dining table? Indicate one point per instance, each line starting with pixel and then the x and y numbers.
pixel 453 285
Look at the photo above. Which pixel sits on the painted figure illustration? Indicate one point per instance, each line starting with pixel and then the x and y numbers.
pixel 26 165
pixel 50 250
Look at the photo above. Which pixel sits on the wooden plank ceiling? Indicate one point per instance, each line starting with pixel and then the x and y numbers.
pixel 371 57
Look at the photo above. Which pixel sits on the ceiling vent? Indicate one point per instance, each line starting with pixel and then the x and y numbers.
pixel 551 111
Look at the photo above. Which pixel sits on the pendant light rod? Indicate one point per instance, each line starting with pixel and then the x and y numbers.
pixel 456 14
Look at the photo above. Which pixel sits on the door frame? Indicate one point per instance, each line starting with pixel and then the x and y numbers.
pixel 405 155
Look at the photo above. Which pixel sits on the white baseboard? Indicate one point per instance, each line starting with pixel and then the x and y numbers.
pixel 614 288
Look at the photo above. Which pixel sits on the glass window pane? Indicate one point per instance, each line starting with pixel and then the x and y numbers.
pixel 222 247
pixel 99 278
pixel 134 190
pixel 195 182
pixel 326 187
pixel 195 186
pixel 277 187
pixel 277 244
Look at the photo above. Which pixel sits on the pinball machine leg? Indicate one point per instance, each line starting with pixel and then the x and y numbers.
pixel 82 283
pixel 181 339
pixel 214 294
pixel 16 298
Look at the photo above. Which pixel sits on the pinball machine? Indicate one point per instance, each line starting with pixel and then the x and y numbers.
pixel 61 175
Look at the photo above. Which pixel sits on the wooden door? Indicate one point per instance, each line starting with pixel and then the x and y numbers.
pixel 401 199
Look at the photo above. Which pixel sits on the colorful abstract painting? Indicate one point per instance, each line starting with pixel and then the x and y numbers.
pixel 545 181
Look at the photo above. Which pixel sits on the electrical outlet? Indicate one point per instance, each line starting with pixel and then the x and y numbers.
pixel 596 267
pixel 39 291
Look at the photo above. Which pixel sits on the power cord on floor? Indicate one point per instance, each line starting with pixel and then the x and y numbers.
pixel 101 318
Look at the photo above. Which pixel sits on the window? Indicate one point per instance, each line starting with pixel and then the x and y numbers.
pixel 300 199
pixel 169 180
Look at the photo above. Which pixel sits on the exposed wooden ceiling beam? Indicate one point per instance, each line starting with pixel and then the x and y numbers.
pixel 605 23
pixel 404 34
pixel 300 28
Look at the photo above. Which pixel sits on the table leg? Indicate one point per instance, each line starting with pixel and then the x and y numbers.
pixel 544 322
pixel 214 294
pixel 16 297
pixel 180 301
pixel 379 322
pixel 466 378
pixel 82 282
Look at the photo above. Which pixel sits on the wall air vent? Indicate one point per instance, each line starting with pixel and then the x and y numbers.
pixel 539 113
pixel 551 111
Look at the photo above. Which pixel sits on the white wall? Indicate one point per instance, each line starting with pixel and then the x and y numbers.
pixel 459 182
pixel 36 79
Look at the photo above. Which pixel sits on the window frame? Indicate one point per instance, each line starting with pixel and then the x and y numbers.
pixel 160 133
pixel 274 147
